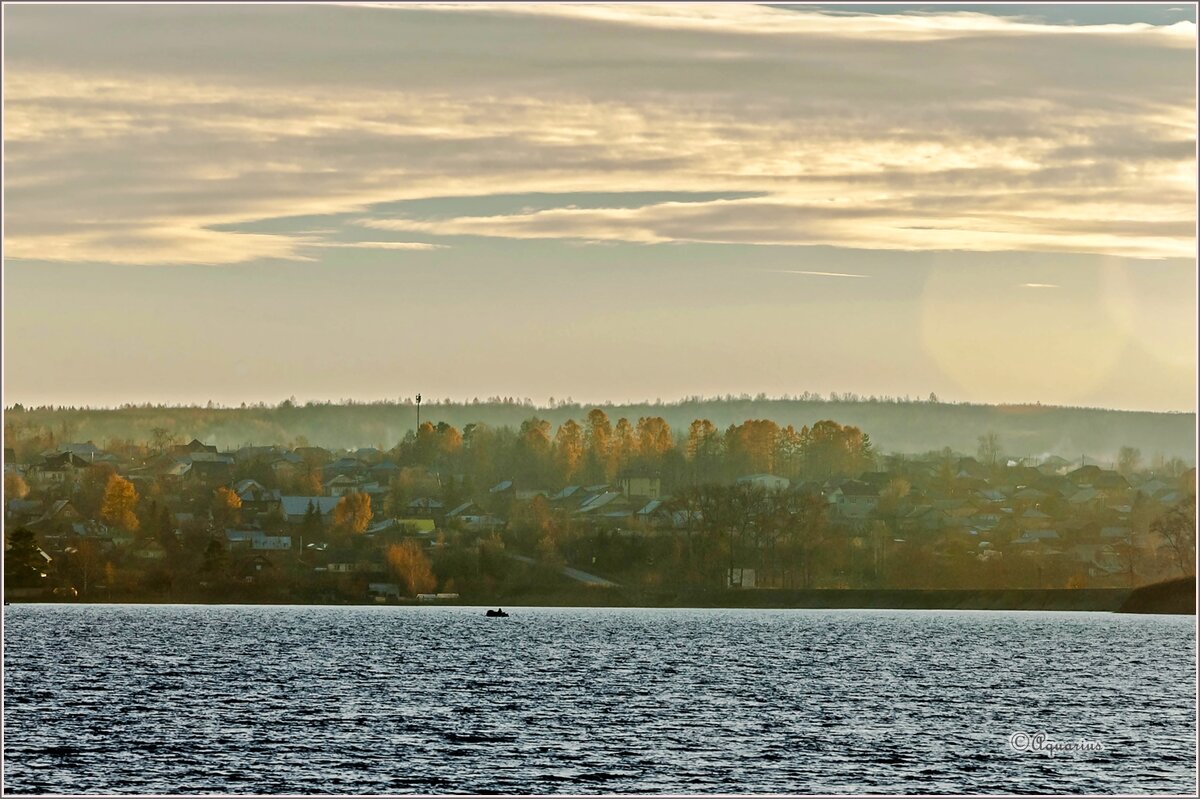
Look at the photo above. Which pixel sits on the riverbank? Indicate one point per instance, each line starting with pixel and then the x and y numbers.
pixel 1172 596
pixel 1169 597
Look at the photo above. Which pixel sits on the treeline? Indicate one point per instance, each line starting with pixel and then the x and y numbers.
pixel 896 425
pixel 598 450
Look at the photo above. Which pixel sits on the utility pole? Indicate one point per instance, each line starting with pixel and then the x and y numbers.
pixel 418 414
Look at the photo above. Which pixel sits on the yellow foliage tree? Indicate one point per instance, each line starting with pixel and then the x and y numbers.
pixel 226 505
pixel 412 565
pixel 15 486
pixel 624 446
pixel 654 436
pixel 568 448
pixel 120 501
pixel 353 513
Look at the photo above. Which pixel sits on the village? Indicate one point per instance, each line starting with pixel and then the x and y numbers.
pixel 424 521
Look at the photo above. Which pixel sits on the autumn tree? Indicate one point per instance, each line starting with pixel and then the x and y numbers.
pixel 308 481
pixel 833 449
pixel 789 452
pixel 412 482
pixel 533 451
pixel 751 445
pixel 702 449
pixel 226 507
pixel 352 514
pixel 449 440
pixel 92 487
pixel 15 486
pixel 569 448
pixel 120 503
pixel 624 448
pixel 653 437
pixel 412 566
pixel 598 444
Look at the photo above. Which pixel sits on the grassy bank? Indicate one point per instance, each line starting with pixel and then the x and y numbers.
pixel 1172 596
pixel 1084 599
pixel 1176 596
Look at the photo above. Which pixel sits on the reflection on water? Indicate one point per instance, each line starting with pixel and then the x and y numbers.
pixel 187 699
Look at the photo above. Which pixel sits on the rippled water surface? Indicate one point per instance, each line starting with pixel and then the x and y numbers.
pixel 189 699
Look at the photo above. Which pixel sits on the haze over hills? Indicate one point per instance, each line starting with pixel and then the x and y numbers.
pixel 894 426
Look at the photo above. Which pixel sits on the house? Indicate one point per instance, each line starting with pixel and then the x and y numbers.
pixel 570 498
pixel 383 472
pixel 60 518
pixel 740 578
pixel 296 508
pixel 384 591
pixel 467 508
pixel 342 484
pixel 1029 494
pixel 856 499
pixel 480 522
pixel 89 452
pixel 209 473
pixel 58 468
pixel 344 466
pixel 768 482
pixel 313 454
pixel 255 497
pixel 655 513
pixel 271 543
pixel 192 447
pixel 1084 475
pixel 610 505
pixel 1032 518
pixel 258 540
pixel 1040 536
pixel 1054 465
pixel 1084 496
pixel 1154 488
pixel 640 484
pixel 20 511
pixel 1110 482
pixel 426 508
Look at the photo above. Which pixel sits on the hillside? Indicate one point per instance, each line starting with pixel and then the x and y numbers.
pixel 906 427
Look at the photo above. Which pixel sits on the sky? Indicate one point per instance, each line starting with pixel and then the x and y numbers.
pixel 603 202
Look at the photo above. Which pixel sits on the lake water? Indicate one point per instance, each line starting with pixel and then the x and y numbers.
pixel 195 699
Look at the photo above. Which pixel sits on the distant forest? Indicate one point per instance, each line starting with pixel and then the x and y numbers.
pixel 895 426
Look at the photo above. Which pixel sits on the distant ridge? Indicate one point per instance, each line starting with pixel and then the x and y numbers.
pixel 894 426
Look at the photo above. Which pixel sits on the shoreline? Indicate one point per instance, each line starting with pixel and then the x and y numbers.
pixel 1171 597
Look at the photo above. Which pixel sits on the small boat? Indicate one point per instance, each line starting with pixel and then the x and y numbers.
pixel 497 614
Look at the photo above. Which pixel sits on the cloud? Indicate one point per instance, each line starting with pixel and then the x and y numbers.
pixel 1040 286
pixel 815 274
pixel 381 245
pixel 847 221
pixel 143 135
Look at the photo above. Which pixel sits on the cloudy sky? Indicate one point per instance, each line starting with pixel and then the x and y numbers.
pixel 993 203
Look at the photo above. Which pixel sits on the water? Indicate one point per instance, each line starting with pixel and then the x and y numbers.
pixel 192 699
